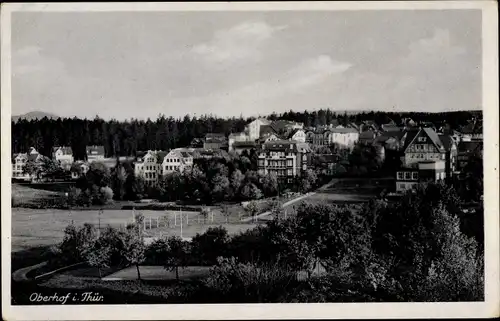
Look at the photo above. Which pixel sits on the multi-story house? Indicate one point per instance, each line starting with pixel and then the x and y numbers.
pixel 422 145
pixel 63 155
pixel 286 159
pixel 177 160
pixel 342 137
pixel 426 171
pixel 149 167
pixel 20 160
pixel 367 137
pixel 215 141
pixel 18 163
pixel 425 159
pixel 253 128
pixel 95 153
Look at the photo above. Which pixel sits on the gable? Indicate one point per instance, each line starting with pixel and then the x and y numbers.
pixel 424 137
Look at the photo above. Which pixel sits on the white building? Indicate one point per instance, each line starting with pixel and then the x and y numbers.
pixel 178 160
pixel 20 160
pixel 148 168
pixel 342 137
pixel 253 128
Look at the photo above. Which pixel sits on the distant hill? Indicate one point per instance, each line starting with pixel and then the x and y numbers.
pixel 32 115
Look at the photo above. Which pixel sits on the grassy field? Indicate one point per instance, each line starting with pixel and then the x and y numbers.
pixel 26 195
pixel 45 227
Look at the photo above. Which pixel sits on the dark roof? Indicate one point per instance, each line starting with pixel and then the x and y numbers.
pixel 160 155
pixel 281 125
pixel 215 137
pixel 447 141
pixel 65 150
pixel 283 145
pixel 433 136
pixel 469 147
pixel 244 144
pixel 94 148
pixel 367 135
pixel 267 130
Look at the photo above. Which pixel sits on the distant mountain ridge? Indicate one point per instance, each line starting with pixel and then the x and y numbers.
pixel 32 115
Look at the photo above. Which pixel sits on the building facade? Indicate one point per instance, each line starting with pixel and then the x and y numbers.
pixel 422 145
pixel 253 128
pixel 215 141
pixel 286 159
pixel 148 168
pixel 426 171
pixel 20 160
pixel 177 160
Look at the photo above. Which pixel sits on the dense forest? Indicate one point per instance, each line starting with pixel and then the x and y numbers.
pixel 124 138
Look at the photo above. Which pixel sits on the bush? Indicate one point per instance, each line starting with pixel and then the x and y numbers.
pixel 208 246
pixel 233 282
pixel 106 195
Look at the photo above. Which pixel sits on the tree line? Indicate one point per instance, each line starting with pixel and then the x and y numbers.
pixel 125 138
pixel 220 179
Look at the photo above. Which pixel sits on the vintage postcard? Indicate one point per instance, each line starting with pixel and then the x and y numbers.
pixel 256 160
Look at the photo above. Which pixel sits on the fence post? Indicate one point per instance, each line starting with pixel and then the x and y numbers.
pixel 157 222
pixel 144 222
pixel 175 219
pixel 187 219
pixel 150 219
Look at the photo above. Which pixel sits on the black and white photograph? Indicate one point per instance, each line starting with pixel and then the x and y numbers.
pixel 182 157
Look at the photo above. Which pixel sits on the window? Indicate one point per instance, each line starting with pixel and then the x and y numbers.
pixel 289 162
pixel 304 158
pixel 407 175
pixel 415 176
pixel 289 172
pixel 437 176
pixel 400 175
pixel 421 139
pixel 402 186
pixel 443 156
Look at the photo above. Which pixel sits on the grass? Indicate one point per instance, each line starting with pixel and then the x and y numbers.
pixel 29 196
pixel 45 227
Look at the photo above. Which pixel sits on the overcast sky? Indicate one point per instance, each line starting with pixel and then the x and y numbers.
pixel 139 65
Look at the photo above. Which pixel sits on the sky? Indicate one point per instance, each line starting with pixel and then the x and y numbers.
pixel 126 65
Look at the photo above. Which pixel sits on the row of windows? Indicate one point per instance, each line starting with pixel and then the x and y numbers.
pixel 171 168
pixel 427 156
pixel 407 175
pixel 150 175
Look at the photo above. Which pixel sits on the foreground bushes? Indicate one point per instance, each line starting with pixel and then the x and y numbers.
pixel 414 250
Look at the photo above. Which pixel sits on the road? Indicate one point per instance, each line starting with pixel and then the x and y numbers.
pixel 295 200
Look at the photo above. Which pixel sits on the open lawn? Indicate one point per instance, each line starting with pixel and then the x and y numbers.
pixel 27 195
pixel 45 227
